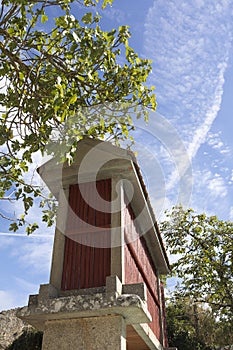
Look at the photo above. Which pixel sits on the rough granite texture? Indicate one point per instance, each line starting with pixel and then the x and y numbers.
pixel 11 327
pixel 130 306
pixel 86 315
pixel 86 334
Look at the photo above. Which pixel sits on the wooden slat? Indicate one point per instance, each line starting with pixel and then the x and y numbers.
pixel 164 316
pixel 65 263
pixel 139 267
pixel 86 261
pixel 134 341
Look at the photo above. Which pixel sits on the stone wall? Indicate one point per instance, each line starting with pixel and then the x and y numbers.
pixel 16 334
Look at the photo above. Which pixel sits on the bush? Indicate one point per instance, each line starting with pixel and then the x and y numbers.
pixel 28 340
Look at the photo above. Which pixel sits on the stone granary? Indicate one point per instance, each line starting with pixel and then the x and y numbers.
pixel 104 290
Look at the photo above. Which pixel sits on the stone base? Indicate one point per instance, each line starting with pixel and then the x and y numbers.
pixel 93 318
pixel 93 333
pixel 51 305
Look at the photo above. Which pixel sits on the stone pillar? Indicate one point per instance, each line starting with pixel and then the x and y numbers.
pixel 117 230
pixel 59 240
pixel 91 333
pixel 90 319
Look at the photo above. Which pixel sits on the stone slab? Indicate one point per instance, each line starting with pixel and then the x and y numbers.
pixel 92 333
pixel 131 307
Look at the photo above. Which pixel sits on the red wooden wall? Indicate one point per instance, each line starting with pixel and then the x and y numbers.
pixel 140 268
pixel 87 255
pixel 164 317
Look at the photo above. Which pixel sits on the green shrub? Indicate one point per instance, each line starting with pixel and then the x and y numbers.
pixel 28 340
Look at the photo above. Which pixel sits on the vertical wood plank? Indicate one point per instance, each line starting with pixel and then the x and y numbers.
pixel 139 267
pixel 87 260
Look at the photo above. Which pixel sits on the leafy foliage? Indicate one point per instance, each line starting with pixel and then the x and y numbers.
pixel 191 326
pixel 203 247
pixel 181 327
pixel 29 340
pixel 56 74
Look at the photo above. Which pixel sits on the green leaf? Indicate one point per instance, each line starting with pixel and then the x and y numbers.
pixel 13 227
pixel 31 228
pixel 73 99
pixel 11 31
pixel 200 246
pixel 44 18
pixel 105 2
pixel 87 18
pixel 56 75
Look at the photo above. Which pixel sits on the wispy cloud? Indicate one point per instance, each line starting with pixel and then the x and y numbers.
pixel 231 213
pixel 8 300
pixel 212 194
pixel 215 141
pixel 190 44
pixel 164 162
pixel 217 187
pixel 6 241
pixel 27 265
pixel 25 285
pixel 34 253
pixel 15 235
pixel 113 14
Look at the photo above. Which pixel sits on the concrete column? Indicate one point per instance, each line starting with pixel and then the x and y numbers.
pixel 160 309
pixel 92 333
pixel 59 240
pixel 117 230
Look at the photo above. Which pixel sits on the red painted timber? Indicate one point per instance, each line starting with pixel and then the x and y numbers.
pixel 87 255
pixel 139 267
pixel 164 317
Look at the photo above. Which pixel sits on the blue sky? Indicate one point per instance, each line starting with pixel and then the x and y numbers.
pixel 191 45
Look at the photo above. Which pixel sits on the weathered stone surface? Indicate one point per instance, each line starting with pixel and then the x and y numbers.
pixel 136 288
pixel 113 286
pixel 11 327
pixel 130 306
pixel 93 333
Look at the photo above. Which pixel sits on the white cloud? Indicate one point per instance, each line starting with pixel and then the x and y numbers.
pixel 114 14
pixel 201 132
pixel 231 213
pixel 215 141
pixel 9 236
pixel 31 252
pixel 32 256
pixel 7 300
pixel 36 254
pixel 190 44
pixel 231 175
pixel 26 261
pixel 10 299
pixel 164 162
pixel 26 286
pixel 6 241
pixel 212 193
pixel 217 187
pixel 213 185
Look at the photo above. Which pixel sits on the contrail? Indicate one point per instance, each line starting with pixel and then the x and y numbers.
pixel 9 234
